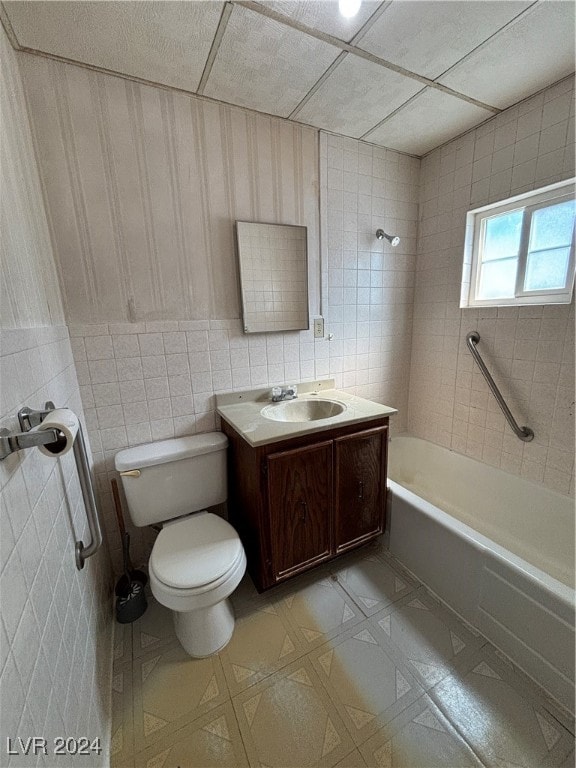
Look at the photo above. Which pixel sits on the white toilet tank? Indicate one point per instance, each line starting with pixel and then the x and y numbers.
pixel 173 477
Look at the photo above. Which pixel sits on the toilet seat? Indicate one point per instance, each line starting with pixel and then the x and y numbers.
pixel 185 592
pixel 192 599
pixel 194 555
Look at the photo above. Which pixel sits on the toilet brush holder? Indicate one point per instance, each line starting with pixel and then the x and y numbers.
pixel 132 604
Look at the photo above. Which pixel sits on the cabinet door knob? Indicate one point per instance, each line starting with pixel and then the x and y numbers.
pixel 304 511
pixel 360 491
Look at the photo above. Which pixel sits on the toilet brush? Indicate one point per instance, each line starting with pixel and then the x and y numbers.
pixel 130 573
pixel 130 595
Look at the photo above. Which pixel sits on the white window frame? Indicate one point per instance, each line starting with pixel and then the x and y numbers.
pixel 475 230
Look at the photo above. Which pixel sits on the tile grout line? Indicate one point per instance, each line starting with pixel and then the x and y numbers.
pixel 240 732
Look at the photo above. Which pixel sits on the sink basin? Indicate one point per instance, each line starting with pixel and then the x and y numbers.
pixel 303 410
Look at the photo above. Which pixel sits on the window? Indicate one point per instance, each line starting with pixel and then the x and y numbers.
pixel 521 250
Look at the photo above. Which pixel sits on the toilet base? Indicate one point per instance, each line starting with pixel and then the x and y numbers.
pixel 205 631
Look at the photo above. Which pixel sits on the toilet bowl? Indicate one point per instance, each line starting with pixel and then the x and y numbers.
pixel 195 565
pixel 197 560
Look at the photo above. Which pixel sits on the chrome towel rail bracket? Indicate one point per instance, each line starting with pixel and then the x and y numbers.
pixel 522 433
pixel 29 418
pixel 11 442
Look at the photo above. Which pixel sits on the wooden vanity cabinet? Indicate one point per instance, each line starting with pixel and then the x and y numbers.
pixel 304 500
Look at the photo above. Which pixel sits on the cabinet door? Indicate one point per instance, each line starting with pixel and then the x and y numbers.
pixel 300 506
pixel 360 486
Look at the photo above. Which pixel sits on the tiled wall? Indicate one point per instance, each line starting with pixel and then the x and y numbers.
pixel 530 350
pixel 55 627
pixel 56 621
pixel 367 284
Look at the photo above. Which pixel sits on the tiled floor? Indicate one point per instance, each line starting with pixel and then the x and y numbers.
pixel 352 665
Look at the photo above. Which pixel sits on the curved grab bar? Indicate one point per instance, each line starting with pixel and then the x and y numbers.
pixel 29 418
pixel 82 552
pixel 522 433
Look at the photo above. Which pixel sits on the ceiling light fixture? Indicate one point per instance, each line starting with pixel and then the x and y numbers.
pixel 349 8
pixel 392 239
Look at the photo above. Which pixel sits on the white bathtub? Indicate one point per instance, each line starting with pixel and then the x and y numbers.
pixel 498 549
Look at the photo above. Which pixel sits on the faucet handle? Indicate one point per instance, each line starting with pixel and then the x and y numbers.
pixel 292 390
pixel 276 393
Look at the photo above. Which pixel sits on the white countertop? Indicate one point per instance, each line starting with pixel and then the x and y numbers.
pixel 242 410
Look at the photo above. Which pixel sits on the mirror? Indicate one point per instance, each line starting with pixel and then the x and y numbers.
pixel 273 276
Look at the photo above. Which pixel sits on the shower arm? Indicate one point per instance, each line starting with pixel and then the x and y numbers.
pixel 522 433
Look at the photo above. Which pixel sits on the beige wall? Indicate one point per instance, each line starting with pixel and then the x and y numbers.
pixel 143 187
pixel 55 630
pixel 29 291
pixel 530 350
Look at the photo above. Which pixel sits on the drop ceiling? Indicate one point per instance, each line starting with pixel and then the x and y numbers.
pixel 404 74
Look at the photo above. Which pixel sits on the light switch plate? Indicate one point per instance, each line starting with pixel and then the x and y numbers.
pixel 318 327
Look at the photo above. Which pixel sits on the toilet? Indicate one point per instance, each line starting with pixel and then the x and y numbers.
pixel 197 560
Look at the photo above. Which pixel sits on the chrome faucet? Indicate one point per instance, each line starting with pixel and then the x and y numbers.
pixel 284 393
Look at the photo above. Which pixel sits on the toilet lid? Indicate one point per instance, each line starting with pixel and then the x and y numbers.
pixel 195 551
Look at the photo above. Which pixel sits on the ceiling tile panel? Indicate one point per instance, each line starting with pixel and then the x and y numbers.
pixel 430 119
pixel 532 53
pixel 325 16
pixel 356 95
pixel 429 37
pixel 265 65
pixel 166 42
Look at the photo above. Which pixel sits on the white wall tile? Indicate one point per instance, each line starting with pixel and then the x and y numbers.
pixel 175 342
pixel 179 385
pixel 151 344
pixel 130 368
pixel 126 345
pixel 156 388
pixel 154 367
pixel 105 394
pixel 99 347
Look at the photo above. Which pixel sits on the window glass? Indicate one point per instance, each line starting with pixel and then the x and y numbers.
pixel 502 235
pixel 552 226
pixel 498 279
pixel 547 270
